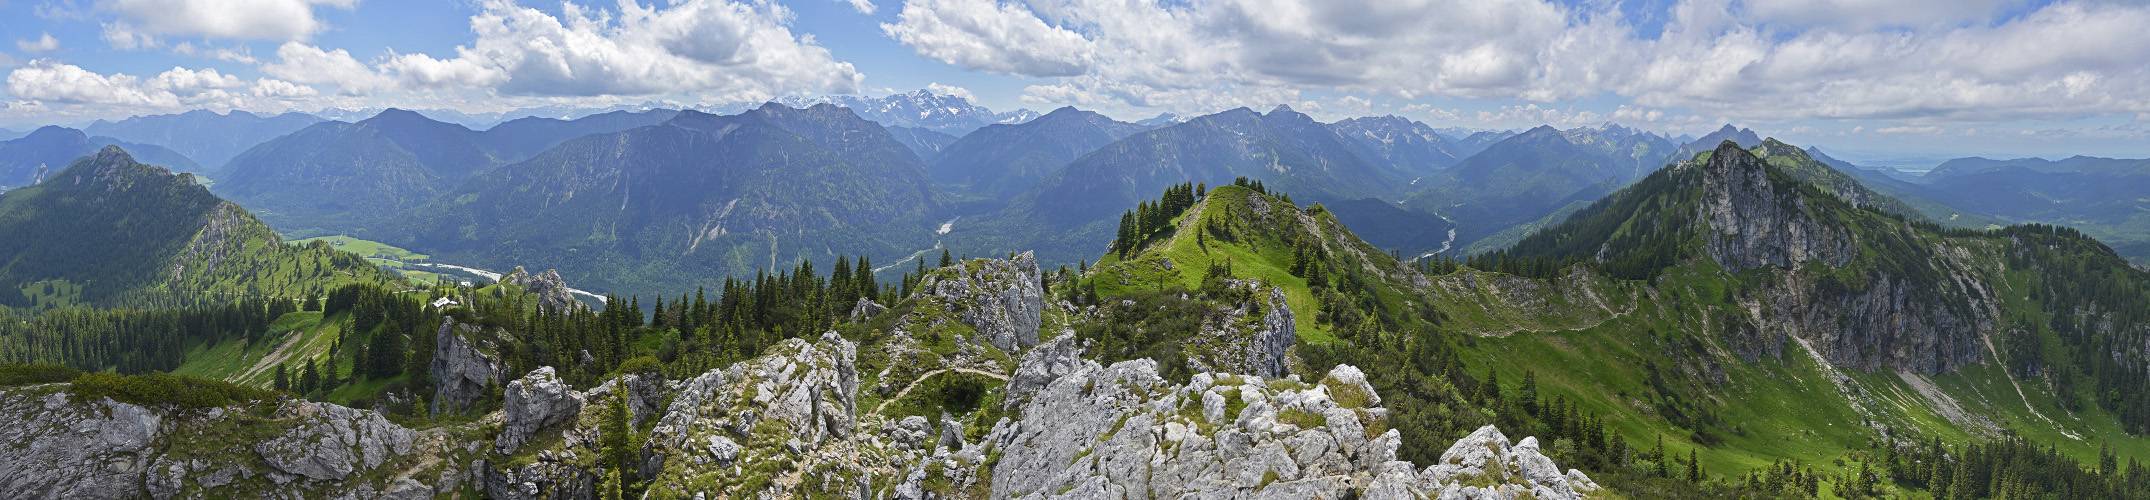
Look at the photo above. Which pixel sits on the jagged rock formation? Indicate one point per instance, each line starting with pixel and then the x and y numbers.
pixel 1003 299
pixel 534 403
pixel 1254 337
pixel 465 366
pixel 62 447
pixel 1121 431
pixel 795 408
pixel 551 290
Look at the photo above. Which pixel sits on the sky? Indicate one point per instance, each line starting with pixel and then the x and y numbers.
pixel 1870 79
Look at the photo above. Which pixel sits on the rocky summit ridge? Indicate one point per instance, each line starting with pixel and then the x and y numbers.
pixel 795 422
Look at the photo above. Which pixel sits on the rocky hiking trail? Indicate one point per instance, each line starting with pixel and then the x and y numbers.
pixel 922 379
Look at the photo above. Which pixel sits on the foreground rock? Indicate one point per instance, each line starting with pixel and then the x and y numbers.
pixel 1120 431
pixel 533 404
pixel 61 447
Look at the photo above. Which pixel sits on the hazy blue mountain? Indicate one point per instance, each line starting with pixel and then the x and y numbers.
pixel 1523 178
pixel 2103 197
pixel 1161 120
pixel 1073 212
pixel 337 177
pixel 1745 138
pixel 50 149
pixel 9 134
pixel 1001 161
pixel 524 137
pixel 1412 149
pixel 210 139
pixel 942 113
pixel 924 142
pixel 1478 141
pixel 653 209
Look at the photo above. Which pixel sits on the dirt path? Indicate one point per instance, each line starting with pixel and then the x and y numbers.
pixel 922 378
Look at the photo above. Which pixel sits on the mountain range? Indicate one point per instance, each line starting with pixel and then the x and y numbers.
pixel 121 232
pixel 205 137
pixel 49 149
pixel 666 206
pixel 334 177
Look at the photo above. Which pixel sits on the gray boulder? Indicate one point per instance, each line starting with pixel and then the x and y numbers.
pixel 551 290
pixel 536 402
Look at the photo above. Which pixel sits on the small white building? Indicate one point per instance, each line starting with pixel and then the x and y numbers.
pixel 444 303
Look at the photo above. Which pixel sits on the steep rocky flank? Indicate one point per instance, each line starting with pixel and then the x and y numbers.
pixel 1925 314
pixel 1758 219
pixel 465 365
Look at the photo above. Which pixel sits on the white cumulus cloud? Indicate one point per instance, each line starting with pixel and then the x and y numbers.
pixel 44 43
pixel 241 19
pixel 714 47
pixel 990 35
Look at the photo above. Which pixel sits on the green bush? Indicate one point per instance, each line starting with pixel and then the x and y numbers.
pixel 159 388
pixel 11 375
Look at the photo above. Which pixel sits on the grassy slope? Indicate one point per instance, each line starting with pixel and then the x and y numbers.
pixel 1589 339
pixel 295 337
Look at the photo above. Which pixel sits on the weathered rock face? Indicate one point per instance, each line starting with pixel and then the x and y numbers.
pixel 1925 315
pixel 645 393
pixel 64 448
pixel 534 403
pixel 1003 299
pixel 797 405
pixel 1254 337
pixel 551 290
pixel 1120 431
pixel 465 365
pixel 57 449
pixel 1892 323
pixel 332 441
pixel 1758 221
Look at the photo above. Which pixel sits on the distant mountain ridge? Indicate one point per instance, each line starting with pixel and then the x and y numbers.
pixel 208 138
pixel 52 148
pixel 925 109
pixel 664 207
pixel 1004 160
pixel 334 177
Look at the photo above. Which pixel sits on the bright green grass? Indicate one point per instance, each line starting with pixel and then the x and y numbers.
pixel 292 338
pixel 1788 406
pixel 1256 258
pixel 368 248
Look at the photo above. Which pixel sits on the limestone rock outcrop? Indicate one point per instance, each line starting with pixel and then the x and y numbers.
pixel 1003 299
pixel 534 403
pixel 551 290
pixel 465 365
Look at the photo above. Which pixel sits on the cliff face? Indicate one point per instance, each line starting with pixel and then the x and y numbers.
pixel 1867 292
pixel 1757 220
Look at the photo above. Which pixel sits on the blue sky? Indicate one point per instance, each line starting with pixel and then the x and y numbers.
pixel 1872 78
